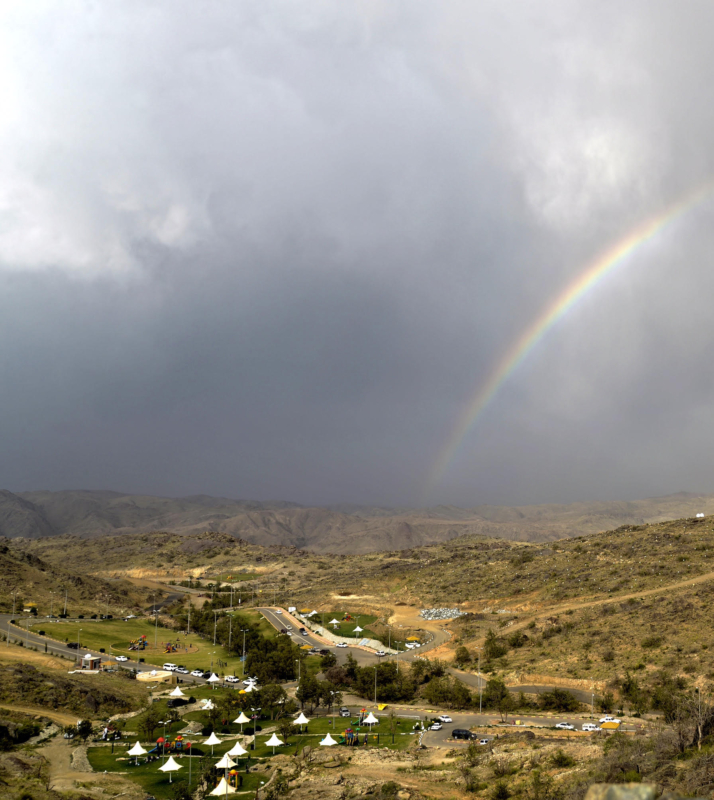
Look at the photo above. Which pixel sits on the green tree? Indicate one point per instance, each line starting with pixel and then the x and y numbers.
pixel 149 722
pixel 84 729
pixel 462 657
pixel 272 699
pixel 494 646
pixel 327 661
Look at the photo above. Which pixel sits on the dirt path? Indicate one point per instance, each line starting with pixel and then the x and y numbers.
pixel 55 716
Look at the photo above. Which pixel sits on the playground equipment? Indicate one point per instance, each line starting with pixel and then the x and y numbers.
pixel 178 745
pixel 139 644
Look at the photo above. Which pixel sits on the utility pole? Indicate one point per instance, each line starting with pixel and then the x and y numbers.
pixel 215 622
pixel 375 686
pixel 230 631
pixel 188 628
pixel 297 661
pixel 65 602
pixel 231 595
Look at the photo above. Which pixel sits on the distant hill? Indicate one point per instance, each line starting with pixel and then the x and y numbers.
pixel 338 529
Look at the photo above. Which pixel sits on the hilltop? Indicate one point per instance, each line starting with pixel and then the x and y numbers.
pixel 338 529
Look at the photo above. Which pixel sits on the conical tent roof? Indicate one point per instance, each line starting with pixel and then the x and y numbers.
pixel 371 719
pixel 273 741
pixel 334 622
pixel 170 766
pixel 302 719
pixel 212 739
pixel 223 788
pixel 357 628
pixel 328 741
pixel 176 693
pixel 137 750
pixel 242 719
pixel 213 678
pixel 237 750
pixel 225 763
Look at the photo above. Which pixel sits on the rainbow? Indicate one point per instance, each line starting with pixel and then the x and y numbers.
pixel 517 353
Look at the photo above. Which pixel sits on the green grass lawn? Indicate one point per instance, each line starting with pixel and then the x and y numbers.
pixel 345 628
pixel 114 635
pixel 150 779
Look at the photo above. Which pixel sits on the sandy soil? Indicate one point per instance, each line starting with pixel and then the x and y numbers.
pixel 13 653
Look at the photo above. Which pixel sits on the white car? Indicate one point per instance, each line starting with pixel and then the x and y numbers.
pixel 122 658
pixel 444 718
pixel 232 679
pixel 435 726
pixel 341 644
pixel 590 726
pixel 278 611
pixel 610 719
pixel 380 653
pixel 181 670
pixel 197 673
pixel 169 667
pixel 565 726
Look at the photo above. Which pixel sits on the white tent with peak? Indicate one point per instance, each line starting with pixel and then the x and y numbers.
pixel 170 766
pixel 302 720
pixel 334 622
pixel 273 742
pixel 212 740
pixel 328 741
pixel 213 679
pixel 358 629
pixel 223 788
pixel 237 750
pixel 226 762
pixel 137 750
pixel 241 720
pixel 370 719
pixel 176 693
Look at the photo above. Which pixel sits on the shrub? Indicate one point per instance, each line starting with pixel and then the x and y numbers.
pixel 562 759
pixel 650 642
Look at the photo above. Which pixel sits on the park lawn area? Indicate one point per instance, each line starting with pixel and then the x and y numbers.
pixel 150 779
pixel 114 635
pixel 346 628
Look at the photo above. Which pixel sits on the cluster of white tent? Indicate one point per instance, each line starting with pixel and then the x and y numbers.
pixel 226 761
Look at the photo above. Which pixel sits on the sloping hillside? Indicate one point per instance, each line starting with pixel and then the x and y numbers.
pixel 345 529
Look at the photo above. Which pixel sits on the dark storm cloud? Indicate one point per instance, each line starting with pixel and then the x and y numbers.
pixel 271 249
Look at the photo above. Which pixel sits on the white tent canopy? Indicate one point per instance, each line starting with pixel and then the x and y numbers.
pixel 223 788
pixel 225 763
pixel 237 750
pixel 213 739
pixel 176 693
pixel 242 719
pixel 137 750
pixel 328 741
pixel 273 741
pixel 302 719
pixel 357 628
pixel 170 766
pixel 370 719
pixel 334 622
pixel 213 678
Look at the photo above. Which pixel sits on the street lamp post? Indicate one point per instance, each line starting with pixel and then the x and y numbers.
pixel 52 602
pixel 297 661
pixel 375 686
pixel 78 632
pixel 65 602
pixel 244 631
pixel 215 622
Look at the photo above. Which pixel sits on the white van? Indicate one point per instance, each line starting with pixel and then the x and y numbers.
pixel 170 667
pixel 590 726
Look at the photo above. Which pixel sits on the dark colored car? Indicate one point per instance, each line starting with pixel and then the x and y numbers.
pixel 73 645
pixel 177 702
pixel 461 733
pixel 325 652
pixel 207 674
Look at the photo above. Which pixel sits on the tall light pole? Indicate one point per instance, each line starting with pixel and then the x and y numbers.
pixel 244 631
pixel 230 631
pixel 65 602
pixel 375 686
pixel 52 602
pixel 215 622
pixel 188 626
pixel 156 626
pixel 480 683
pixel 297 661
pixel 78 632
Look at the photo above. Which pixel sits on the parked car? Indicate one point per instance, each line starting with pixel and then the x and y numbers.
pixel 444 718
pixel 590 726
pixel 435 726
pixel 565 726
pixel 122 658
pixel 170 667
pixel 610 719
pixel 206 673
pixel 232 679
pixel 283 630
pixel 380 653
pixel 461 733
pixel 324 652
pixel 341 644
pixel 288 633
pixel 345 712
pixel 182 671
pixel 197 673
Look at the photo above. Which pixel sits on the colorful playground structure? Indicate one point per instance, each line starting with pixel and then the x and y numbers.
pixel 176 746
pixel 138 644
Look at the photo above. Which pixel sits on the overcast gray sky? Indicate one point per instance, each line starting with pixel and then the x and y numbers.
pixel 271 249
